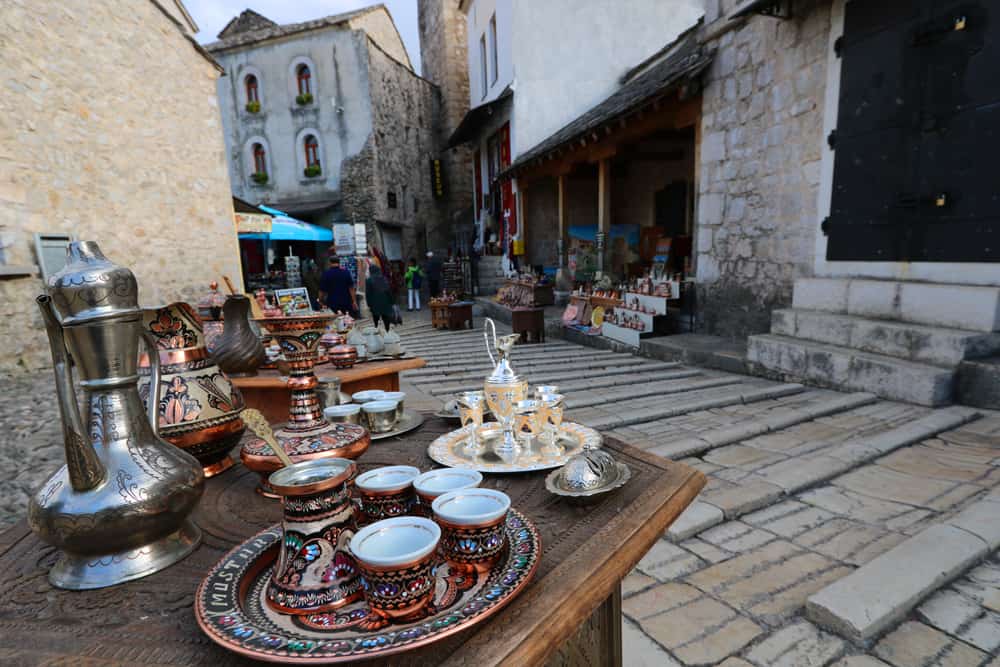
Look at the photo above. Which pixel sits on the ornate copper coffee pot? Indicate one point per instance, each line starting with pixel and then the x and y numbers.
pixel 118 510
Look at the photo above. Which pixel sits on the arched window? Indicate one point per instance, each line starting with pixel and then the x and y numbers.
pixel 302 76
pixel 259 159
pixel 312 151
pixel 251 85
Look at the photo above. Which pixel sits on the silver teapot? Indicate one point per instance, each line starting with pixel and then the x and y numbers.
pixel 118 510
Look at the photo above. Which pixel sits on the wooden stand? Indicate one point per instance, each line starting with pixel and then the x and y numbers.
pixel 439 315
pixel 529 323
pixel 460 314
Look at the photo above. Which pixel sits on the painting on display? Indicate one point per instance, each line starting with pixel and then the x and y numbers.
pixel 294 300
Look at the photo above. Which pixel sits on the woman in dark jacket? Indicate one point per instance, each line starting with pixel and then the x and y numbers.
pixel 379 296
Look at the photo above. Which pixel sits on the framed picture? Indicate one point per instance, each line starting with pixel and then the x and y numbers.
pixel 294 300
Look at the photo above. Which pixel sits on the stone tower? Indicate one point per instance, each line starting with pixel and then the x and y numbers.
pixel 444 61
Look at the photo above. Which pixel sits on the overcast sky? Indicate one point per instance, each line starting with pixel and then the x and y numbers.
pixel 213 15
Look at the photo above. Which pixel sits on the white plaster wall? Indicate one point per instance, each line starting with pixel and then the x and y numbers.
pixel 946 272
pixel 478 24
pixel 340 113
pixel 569 55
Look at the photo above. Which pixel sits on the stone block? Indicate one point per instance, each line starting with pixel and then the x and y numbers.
pixel 831 328
pixel 798 473
pixel 829 294
pixel 948 610
pixel 956 306
pixel 702 632
pixel 914 644
pixel 873 298
pixel 735 500
pixel 638 650
pixel 658 599
pixel 880 593
pixel 982 519
pixel 979 383
pixel 697 517
pixel 798 645
pixel 783 321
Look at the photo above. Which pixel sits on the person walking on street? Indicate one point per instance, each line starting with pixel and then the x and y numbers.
pixel 413 278
pixel 433 273
pixel 336 289
pixel 379 296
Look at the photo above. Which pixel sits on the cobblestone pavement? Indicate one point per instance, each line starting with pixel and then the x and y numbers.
pixel 806 487
pixel 835 529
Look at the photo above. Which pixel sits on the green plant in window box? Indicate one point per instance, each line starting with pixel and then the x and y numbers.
pixel 304 99
pixel 260 178
pixel 253 107
pixel 312 171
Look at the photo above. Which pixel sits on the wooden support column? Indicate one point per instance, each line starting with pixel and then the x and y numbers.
pixel 563 242
pixel 603 211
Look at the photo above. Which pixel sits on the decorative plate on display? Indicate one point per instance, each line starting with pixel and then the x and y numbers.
pixel 450 449
pixel 410 421
pixel 597 316
pixel 231 609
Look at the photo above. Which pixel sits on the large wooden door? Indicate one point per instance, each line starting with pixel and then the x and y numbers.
pixel 918 127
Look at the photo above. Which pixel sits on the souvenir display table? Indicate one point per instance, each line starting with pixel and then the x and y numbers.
pixel 268 392
pixel 569 612
pixel 460 315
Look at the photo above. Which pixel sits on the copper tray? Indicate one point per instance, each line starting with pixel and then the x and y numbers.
pixel 449 449
pixel 230 606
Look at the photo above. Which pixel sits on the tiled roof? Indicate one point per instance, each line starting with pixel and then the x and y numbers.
pixel 256 28
pixel 684 63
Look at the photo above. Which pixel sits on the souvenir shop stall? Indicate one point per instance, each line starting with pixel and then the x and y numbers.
pixel 285 253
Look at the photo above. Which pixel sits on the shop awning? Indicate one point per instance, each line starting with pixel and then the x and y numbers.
pixel 475 119
pixel 284 228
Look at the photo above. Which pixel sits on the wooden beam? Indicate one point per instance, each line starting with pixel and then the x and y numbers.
pixel 563 220
pixel 603 209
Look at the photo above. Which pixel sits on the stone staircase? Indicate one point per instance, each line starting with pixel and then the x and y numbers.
pixel 490 274
pixel 904 341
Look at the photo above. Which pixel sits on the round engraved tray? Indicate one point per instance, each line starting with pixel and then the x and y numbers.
pixel 230 606
pixel 449 449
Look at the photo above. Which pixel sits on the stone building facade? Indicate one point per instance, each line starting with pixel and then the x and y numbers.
pixel 89 151
pixel 443 58
pixel 760 152
pixel 369 118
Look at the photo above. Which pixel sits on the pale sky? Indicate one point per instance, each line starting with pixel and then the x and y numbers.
pixel 213 15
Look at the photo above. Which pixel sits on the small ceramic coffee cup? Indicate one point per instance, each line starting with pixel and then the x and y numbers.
pixel 349 413
pixel 385 492
pixel 473 526
pixel 399 397
pixel 367 395
pixel 396 560
pixel 380 416
pixel 434 483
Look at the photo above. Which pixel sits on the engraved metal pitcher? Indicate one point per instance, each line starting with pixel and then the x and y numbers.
pixel 503 389
pixel 118 510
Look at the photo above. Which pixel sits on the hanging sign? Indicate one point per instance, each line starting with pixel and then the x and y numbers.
pixel 437 179
pixel 252 223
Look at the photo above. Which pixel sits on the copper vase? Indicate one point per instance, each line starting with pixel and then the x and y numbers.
pixel 199 407
pixel 238 351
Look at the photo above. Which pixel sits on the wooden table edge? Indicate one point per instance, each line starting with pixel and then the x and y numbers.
pixel 347 375
pixel 538 640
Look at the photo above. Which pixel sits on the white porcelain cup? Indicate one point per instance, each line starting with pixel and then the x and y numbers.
pixel 399 397
pixel 367 395
pixel 387 478
pixel 381 415
pixel 473 526
pixel 434 483
pixel 349 412
pixel 471 507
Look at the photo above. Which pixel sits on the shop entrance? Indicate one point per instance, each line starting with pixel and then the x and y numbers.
pixel 918 120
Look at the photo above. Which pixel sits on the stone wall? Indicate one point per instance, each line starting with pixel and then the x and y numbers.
pixel 88 147
pixel 443 60
pixel 761 142
pixel 405 108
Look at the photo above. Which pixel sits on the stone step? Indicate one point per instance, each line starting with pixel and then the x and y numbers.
pixel 915 342
pixel 618 378
pixel 785 358
pixel 971 307
pixel 884 590
pixel 978 383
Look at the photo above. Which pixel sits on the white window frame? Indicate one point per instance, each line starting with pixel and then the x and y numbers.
pixel 494 59
pixel 249 161
pixel 242 92
pixel 483 75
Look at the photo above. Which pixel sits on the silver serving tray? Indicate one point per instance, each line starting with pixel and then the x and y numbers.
pixel 449 450
pixel 407 423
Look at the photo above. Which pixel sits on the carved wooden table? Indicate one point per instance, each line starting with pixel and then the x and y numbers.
pixel 569 613
pixel 268 392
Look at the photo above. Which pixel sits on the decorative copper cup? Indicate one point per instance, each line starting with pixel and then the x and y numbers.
pixel 385 493
pixel 315 571
pixel 396 558
pixel 472 521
